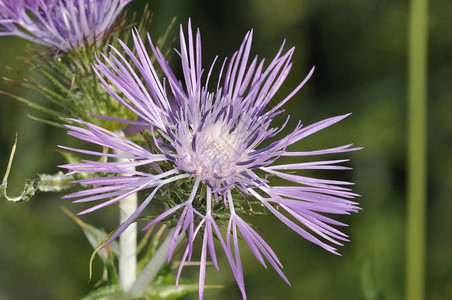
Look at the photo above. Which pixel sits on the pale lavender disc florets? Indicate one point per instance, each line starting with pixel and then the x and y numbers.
pixel 62 24
pixel 215 139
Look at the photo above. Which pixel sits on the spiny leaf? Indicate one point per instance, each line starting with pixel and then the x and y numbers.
pixel 144 241
pixel 48 122
pixel 112 292
pixel 169 292
pixel 94 235
pixel 54 81
pixel 44 182
pixel 96 250
pixel 164 287
pixel 49 94
pixel 152 247
pixel 35 106
pixel 70 157
pixel 30 185
pixel 54 183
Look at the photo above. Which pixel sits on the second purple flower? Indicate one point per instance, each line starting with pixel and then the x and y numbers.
pixel 61 24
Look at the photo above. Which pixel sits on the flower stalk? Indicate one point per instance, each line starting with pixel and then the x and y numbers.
pixel 128 244
pixel 128 240
pixel 417 141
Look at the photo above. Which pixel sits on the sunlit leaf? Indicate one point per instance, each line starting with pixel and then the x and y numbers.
pixel 112 292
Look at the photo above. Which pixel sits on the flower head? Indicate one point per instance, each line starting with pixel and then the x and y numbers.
pixel 62 24
pixel 221 144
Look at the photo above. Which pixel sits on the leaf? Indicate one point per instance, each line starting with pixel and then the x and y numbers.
pixel 54 183
pixel 70 157
pixel 169 292
pixel 143 242
pixel 152 247
pixel 154 267
pixel 49 94
pixel 48 122
pixel 369 285
pixel 94 235
pixel 98 248
pixel 111 292
pixel 53 113
pixel 164 288
pixel 30 185
pixel 44 182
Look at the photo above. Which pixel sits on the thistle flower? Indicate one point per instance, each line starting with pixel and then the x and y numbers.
pixel 221 144
pixel 62 24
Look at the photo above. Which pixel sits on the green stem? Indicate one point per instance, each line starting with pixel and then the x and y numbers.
pixel 417 142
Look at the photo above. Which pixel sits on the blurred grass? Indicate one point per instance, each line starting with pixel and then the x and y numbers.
pixel 359 50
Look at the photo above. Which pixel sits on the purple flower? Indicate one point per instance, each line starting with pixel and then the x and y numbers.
pixel 215 141
pixel 62 24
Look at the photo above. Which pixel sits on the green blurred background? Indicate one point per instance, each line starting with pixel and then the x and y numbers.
pixel 359 48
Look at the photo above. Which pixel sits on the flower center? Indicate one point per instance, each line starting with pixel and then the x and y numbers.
pixel 214 157
pixel 217 156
